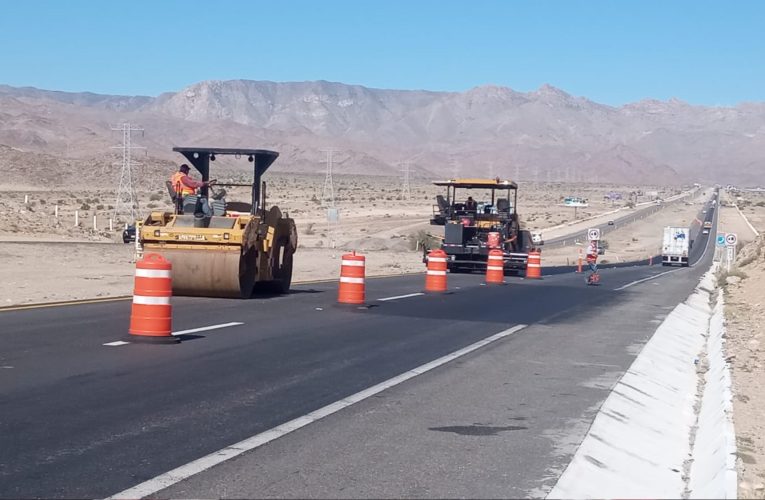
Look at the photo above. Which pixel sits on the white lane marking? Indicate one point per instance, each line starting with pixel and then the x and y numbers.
pixel 637 282
pixel 401 296
pixel 184 332
pixel 177 475
pixel 211 327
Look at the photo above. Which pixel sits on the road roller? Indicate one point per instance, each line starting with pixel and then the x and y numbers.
pixel 219 247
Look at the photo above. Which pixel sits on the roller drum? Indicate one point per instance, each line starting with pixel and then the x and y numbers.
pixel 211 273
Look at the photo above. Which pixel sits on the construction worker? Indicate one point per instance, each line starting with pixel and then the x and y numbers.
pixel 183 184
pixel 471 205
pixel 592 261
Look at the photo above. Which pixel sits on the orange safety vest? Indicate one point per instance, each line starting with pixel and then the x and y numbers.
pixel 176 181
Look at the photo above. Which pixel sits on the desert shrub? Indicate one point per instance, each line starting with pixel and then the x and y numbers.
pixel 99 207
pixel 309 229
pixel 84 206
pixel 155 197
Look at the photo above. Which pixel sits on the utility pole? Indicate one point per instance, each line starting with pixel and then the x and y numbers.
pixel 127 201
pixel 406 191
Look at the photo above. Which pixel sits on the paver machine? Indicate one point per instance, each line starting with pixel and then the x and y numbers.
pixel 221 248
pixel 478 215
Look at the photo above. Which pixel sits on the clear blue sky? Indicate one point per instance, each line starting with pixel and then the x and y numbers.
pixel 610 51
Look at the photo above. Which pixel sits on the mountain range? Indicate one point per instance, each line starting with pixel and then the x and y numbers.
pixel 542 135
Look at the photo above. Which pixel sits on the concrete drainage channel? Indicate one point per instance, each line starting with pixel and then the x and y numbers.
pixel 666 429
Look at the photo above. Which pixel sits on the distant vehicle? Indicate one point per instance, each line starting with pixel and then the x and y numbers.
pixel 704 211
pixel 706 227
pixel 676 245
pixel 128 234
pixel 610 223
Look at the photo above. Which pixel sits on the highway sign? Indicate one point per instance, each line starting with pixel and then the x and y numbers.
pixel 731 239
pixel 720 239
pixel 593 234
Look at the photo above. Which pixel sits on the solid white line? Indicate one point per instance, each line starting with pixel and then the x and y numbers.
pixel 205 328
pixel 117 343
pixel 402 296
pixel 646 279
pixel 177 475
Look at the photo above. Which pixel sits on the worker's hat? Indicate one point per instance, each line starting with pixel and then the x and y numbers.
pixel 184 168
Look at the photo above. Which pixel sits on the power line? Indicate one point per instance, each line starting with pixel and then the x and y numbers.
pixel 127 201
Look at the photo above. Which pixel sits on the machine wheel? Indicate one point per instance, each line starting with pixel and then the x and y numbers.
pixel 281 265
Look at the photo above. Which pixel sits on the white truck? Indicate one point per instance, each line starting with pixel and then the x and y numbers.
pixel 676 245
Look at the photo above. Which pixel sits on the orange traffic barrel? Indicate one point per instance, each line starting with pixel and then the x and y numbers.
pixel 151 318
pixel 495 269
pixel 351 288
pixel 534 265
pixel 435 278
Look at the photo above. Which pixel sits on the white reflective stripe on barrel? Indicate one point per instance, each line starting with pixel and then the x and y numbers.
pixel 494 268
pixel 358 281
pixel 151 301
pixel 492 257
pixel 353 263
pixel 436 273
pixel 436 259
pixel 533 265
pixel 152 273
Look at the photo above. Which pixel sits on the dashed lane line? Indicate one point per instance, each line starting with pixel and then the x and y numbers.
pixel 385 299
pixel 184 332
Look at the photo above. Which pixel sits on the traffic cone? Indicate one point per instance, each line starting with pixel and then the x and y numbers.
pixel 351 289
pixel 151 317
pixel 435 278
pixel 534 265
pixel 495 270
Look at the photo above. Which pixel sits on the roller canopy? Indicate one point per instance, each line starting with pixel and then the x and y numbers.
pixel 478 183
pixel 261 158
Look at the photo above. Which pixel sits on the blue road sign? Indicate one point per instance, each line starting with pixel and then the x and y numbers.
pixel 720 240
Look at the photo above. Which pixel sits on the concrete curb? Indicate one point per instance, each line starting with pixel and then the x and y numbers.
pixel 713 470
pixel 640 441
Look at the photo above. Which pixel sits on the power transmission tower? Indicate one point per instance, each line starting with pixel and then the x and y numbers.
pixel 328 199
pixel 328 193
pixel 406 191
pixel 455 169
pixel 127 201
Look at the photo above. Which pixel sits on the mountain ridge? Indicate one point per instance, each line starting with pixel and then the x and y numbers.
pixel 543 134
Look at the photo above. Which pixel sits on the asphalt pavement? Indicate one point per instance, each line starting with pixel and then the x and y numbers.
pixel 79 418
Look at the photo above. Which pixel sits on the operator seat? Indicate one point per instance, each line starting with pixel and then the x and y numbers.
pixel 503 205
